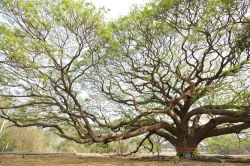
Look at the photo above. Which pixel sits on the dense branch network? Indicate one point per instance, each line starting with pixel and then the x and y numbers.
pixel 186 66
pixel 178 70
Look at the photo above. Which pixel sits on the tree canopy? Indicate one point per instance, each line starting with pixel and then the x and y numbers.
pixel 176 69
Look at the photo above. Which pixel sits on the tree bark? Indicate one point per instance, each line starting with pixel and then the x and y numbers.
pixel 186 150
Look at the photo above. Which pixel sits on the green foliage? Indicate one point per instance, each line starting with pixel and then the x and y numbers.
pixel 170 54
pixel 228 144
pixel 35 36
pixel 41 18
pixel 24 140
pixel 243 40
pixel 120 147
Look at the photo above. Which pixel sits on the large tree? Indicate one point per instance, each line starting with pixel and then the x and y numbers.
pixel 176 69
pixel 46 48
pixel 182 68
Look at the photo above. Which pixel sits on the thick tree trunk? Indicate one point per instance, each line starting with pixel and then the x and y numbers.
pixel 186 149
pixel 186 152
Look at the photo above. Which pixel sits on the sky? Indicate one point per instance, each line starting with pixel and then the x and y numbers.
pixel 117 7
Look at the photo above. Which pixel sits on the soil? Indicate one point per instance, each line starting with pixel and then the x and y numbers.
pixel 104 160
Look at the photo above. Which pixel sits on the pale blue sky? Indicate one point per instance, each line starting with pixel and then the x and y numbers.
pixel 117 7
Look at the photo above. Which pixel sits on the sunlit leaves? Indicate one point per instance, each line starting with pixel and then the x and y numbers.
pixel 45 44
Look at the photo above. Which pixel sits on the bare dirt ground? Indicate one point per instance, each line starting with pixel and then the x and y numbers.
pixel 101 160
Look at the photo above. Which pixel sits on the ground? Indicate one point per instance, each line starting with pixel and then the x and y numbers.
pixel 99 160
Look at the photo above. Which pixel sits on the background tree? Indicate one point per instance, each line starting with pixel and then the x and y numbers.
pixel 14 139
pixel 228 144
pixel 176 69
